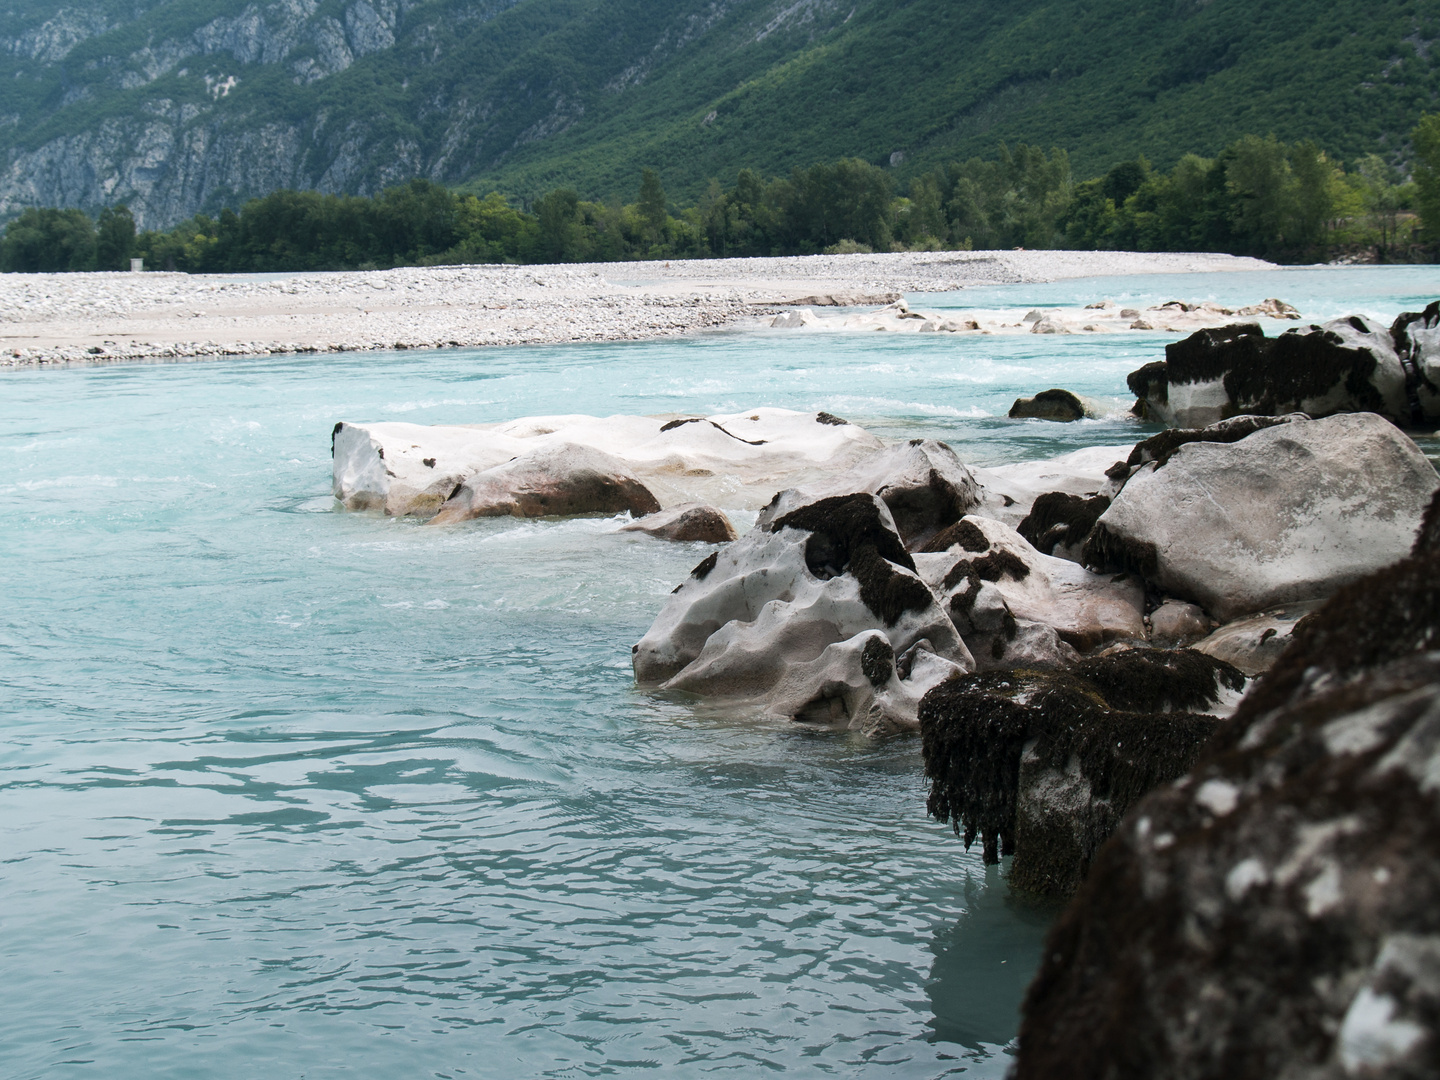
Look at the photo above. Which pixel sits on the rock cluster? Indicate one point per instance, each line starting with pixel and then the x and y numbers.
pixel 1346 365
pixel 1273 913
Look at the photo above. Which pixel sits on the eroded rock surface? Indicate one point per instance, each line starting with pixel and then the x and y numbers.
pixel 784 617
pixel 1058 405
pixel 1287 513
pixel 1274 914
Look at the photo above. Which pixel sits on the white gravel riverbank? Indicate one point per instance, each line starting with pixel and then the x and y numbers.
pixel 62 319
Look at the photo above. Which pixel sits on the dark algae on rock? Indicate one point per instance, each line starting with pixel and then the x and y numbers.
pixel 1060 519
pixel 1043 765
pixel 1277 912
pixel 848 534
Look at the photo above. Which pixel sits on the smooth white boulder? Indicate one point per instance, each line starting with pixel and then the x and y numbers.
pixel 1288 513
pixel 737 460
pixel 556 481
pixel 1008 492
pixel 686 523
pixel 748 619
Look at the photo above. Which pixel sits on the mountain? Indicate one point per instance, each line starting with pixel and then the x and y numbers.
pixel 176 106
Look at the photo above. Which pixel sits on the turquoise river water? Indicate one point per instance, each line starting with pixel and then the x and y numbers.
pixel 291 792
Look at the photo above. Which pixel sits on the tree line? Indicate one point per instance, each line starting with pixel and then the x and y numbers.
pixel 1259 196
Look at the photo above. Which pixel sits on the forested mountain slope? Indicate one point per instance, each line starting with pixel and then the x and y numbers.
pixel 175 106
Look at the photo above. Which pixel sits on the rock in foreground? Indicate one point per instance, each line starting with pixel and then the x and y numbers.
pixel 818 616
pixel 1287 513
pixel 686 523
pixel 1044 765
pixel 1275 914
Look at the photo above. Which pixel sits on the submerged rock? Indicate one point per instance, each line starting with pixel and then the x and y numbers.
pixel 557 482
pixel 688 522
pixel 1274 913
pixel 756 621
pixel 1060 405
pixel 1287 513
pixel 1346 365
pixel 1044 765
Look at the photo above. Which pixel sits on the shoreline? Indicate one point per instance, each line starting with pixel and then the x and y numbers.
pixel 67 320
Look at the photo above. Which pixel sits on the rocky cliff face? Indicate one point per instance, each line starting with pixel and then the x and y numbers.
pixel 174 112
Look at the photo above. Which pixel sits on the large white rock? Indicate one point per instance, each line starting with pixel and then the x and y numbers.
pixel 738 460
pixel 755 619
pixel 1288 513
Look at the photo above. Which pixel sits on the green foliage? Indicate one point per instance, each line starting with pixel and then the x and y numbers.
pixel 48 240
pixel 1258 196
pixel 1427 174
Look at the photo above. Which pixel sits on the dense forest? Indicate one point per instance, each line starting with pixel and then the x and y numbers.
pixel 1259 196
pixel 175 107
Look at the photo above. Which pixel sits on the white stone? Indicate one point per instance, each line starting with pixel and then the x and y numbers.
pixel 1289 513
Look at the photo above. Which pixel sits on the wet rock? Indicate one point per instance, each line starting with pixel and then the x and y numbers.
pixel 561 481
pixel 1254 643
pixel 1176 623
pixel 1016 607
pixel 688 522
pixel 408 469
pixel 1346 365
pixel 1288 513
pixel 1273 914
pixel 1058 523
pixel 1049 326
pixel 923 483
pixel 1044 765
pixel 755 621
pixel 1059 405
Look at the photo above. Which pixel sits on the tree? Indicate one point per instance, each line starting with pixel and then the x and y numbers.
pixel 559 239
pixel 46 240
pixel 652 205
pixel 1426 138
pixel 114 238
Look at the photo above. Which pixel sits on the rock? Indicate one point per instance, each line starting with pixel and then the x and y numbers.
pixel 688 522
pixel 840 300
pixel 860 685
pixel 794 320
pixel 1033 316
pixel 1346 365
pixel 1129 313
pixel 1044 765
pixel 1059 522
pixel 1417 342
pixel 1273 914
pixel 406 468
pixel 559 481
pixel 1175 623
pixel 1048 405
pixel 1100 305
pixel 1274 309
pixel 1008 492
pixel 755 620
pixel 1254 643
pixel 1288 513
pixel 922 482
pixel 742 458
pixel 1016 607
pixel 1049 326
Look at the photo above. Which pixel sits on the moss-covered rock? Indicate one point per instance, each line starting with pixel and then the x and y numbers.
pixel 1043 765
pixel 1274 914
